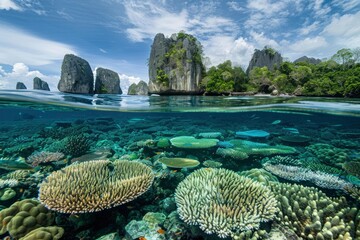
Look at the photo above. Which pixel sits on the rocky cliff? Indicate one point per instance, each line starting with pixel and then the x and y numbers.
pixel 175 65
pixel 40 84
pixel 308 60
pixel 138 89
pixel 107 81
pixel 76 75
pixel 20 85
pixel 267 57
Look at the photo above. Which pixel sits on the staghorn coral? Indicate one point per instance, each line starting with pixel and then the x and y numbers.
pixel 19 175
pixel 287 160
pixel 44 233
pixel 95 185
pixel 44 157
pixel 76 145
pixel 315 165
pixel 352 168
pixel 312 215
pixel 222 202
pixel 24 216
pixel 298 174
pixel 212 164
pixel 231 153
pixel 8 183
pixel 259 175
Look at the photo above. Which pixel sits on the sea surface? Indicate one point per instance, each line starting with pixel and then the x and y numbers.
pixel 178 167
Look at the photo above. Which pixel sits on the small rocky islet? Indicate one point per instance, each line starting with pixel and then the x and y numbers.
pixel 174 177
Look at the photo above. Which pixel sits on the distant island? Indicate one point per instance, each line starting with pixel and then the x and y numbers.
pixel 176 68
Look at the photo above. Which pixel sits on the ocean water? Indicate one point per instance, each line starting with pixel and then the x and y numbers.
pixel 179 167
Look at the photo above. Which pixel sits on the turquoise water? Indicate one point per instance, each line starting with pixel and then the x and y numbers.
pixel 300 157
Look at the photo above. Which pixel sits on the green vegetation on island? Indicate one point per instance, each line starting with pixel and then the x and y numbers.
pixel 339 76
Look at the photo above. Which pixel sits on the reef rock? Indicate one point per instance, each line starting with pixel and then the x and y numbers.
pixel 20 85
pixel 267 57
pixel 107 81
pixel 308 60
pixel 175 65
pixel 138 89
pixel 40 84
pixel 76 75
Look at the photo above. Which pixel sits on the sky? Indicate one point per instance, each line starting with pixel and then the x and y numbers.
pixel 117 34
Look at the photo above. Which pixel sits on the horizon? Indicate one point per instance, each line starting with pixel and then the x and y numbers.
pixel 117 34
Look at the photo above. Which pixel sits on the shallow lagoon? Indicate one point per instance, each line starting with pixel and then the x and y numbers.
pixel 311 155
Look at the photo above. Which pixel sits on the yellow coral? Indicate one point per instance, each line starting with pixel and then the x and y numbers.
pixel 95 185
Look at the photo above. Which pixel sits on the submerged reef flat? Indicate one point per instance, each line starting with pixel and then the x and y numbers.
pixel 107 175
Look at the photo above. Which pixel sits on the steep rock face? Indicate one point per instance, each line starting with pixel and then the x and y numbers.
pixel 138 89
pixel 308 60
pixel 267 57
pixel 40 84
pixel 76 75
pixel 175 65
pixel 107 81
pixel 20 85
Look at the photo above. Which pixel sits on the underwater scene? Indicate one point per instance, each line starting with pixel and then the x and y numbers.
pixel 111 167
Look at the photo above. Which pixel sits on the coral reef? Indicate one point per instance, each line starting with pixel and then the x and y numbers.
pixel 44 233
pixel 44 157
pixel 222 202
pixel 24 216
pixel 189 142
pixel 94 186
pixel 312 215
pixel 259 175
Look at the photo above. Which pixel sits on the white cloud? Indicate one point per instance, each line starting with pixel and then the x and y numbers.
pixel 221 48
pixel 21 73
pixel 235 6
pixel 19 46
pixel 9 5
pixel 261 40
pixel 308 45
pixel 267 7
pixel 344 27
pixel 309 28
pixel 148 19
pixel 346 5
pixel 102 50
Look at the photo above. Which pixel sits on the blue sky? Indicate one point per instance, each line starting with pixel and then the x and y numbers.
pixel 117 34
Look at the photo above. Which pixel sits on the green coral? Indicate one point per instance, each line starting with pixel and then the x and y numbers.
pixel 44 233
pixel 328 154
pixel 24 216
pixel 259 175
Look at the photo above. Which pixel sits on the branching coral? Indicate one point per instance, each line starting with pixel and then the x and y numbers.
pixel 222 202
pixel 297 174
pixel 44 157
pixel 95 185
pixel 328 154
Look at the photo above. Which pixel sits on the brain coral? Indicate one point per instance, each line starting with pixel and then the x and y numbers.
pixel 95 185
pixel 222 202
pixel 24 216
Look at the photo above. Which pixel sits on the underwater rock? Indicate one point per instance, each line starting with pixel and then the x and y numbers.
pixel 188 142
pixel 147 228
pixel 299 140
pixel 179 162
pixel 110 236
